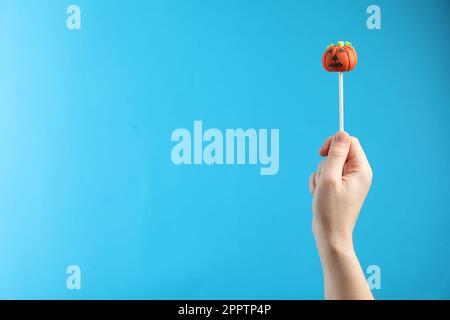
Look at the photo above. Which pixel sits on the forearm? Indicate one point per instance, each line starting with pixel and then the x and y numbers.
pixel 343 276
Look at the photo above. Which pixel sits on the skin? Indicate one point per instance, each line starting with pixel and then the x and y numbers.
pixel 339 188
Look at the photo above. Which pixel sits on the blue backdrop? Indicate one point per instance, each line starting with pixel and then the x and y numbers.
pixel 86 116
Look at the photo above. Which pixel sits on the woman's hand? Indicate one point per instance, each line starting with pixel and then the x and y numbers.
pixel 339 187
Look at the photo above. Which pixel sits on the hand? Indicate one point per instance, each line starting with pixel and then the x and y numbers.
pixel 339 188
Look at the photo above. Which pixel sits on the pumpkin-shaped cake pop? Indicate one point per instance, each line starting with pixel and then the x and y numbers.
pixel 340 57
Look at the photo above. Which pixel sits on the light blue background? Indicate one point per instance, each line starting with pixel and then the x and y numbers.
pixel 85 123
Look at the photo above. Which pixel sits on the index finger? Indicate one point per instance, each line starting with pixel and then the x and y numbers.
pixel 323 151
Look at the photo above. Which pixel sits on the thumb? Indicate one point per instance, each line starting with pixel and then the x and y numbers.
pixel 337 155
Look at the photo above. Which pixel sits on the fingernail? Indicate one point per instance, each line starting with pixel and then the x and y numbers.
pixel 341 137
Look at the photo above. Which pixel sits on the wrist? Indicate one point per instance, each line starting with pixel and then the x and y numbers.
pixel 335 252
pixel 334 244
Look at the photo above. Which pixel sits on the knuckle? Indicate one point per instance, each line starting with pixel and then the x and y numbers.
pixel 329 181
pixel 320 165
pixel 368 176
pixel 337 153
pixel 369 172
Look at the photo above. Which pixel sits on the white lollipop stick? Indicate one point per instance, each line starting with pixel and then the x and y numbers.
pixel 341 101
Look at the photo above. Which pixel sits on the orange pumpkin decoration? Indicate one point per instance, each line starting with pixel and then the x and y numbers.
pixel 340 57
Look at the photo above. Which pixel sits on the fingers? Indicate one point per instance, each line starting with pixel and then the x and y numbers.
pixel 337 156
pixel 323 151
pixel 356 151
pixel 312 182
pixel 357 160
pixel 314 177
pixel 319 170
pixel 344 155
